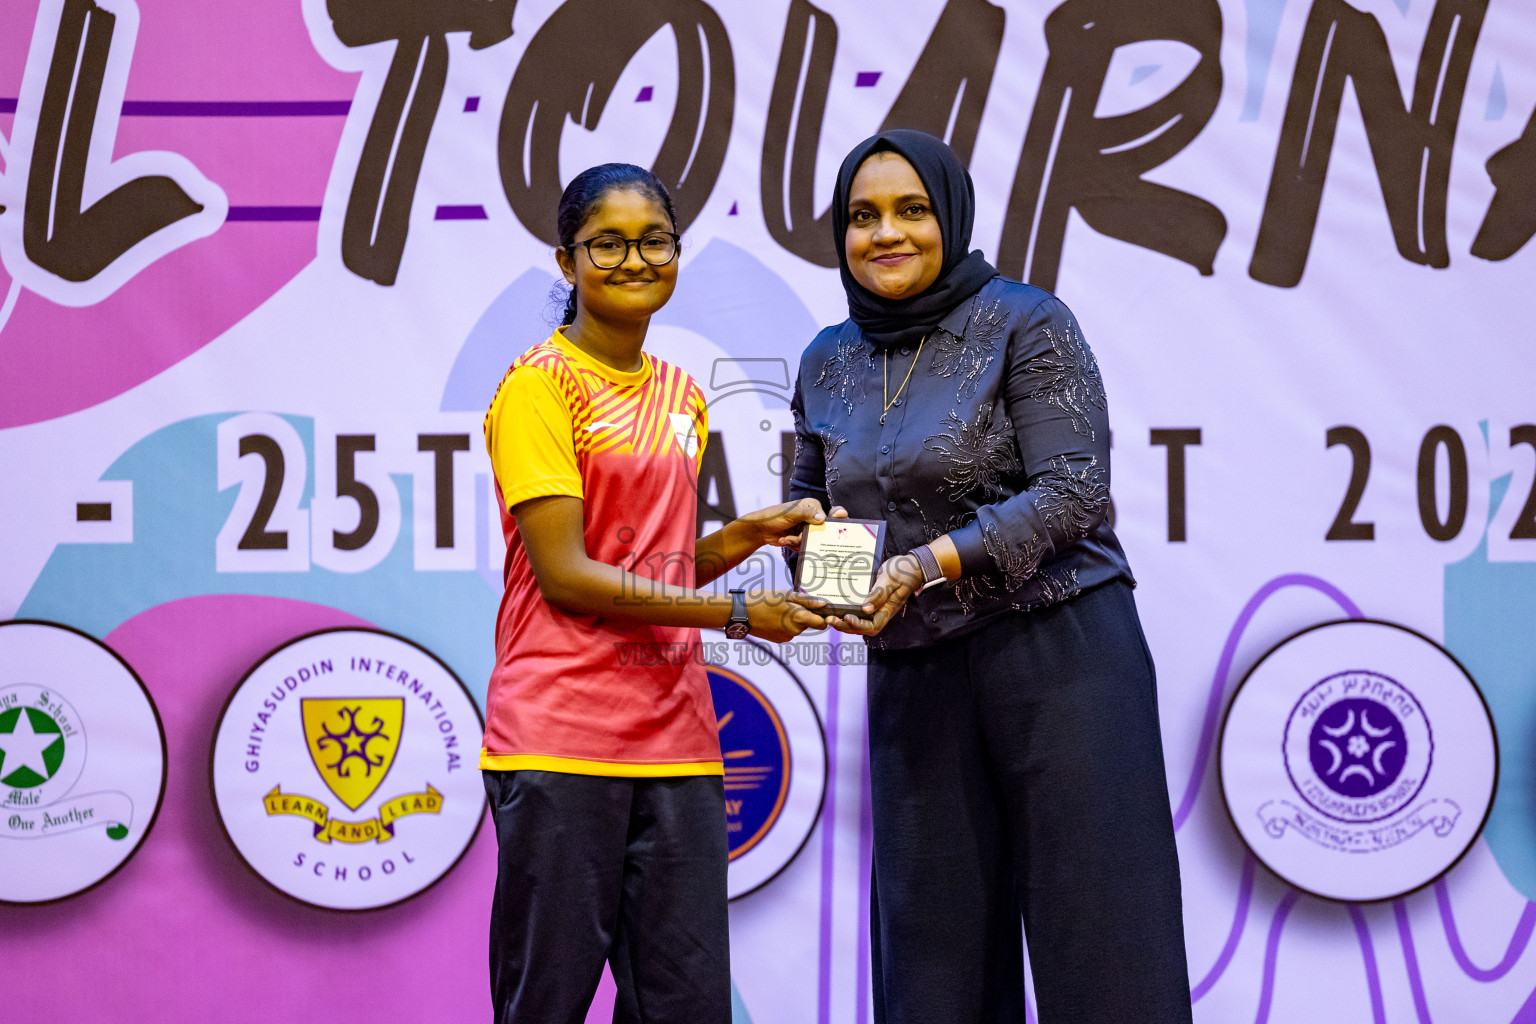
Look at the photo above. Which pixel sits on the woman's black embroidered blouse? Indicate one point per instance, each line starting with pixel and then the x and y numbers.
pixel 1000 438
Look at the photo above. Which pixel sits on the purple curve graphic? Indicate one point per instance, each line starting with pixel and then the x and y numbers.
pixel 1197 776
pixel 1372 975
pixel 1517 942
pixel 1272 953
pixel 828 843
pixel 1527 1012
pixel 1411 959
pixel 1224 671
pixel 1234 934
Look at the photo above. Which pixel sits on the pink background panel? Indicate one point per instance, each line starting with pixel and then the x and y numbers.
pixel 226 946
pixel 194 50
pixel 55 359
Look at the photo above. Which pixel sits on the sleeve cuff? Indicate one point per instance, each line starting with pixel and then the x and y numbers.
pixel 971 549
pixel 543 488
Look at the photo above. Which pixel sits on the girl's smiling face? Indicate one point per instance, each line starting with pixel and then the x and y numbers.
pixel 634 289
pixel 893 245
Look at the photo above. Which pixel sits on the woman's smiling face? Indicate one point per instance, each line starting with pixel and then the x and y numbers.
pixel 893 244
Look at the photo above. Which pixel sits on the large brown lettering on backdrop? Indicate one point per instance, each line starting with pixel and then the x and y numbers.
pixel 63 235
pixel 384 188
pixel 549 87
pixel 944 96
pixel 1069 158
pixel 1411 146
pixel 1511 219
pixel 1074 160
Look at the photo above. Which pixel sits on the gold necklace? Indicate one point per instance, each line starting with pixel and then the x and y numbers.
pixel 886 393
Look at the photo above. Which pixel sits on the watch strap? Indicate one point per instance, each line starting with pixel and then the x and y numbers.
pixel 929 563
pixel 738 608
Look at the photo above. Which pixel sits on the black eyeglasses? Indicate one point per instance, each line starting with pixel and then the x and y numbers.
pixel 658 248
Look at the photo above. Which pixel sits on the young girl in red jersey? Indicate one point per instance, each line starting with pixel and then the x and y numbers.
pixel 601 760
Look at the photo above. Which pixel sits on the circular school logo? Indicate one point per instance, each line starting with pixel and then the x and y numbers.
pixel 344 769
pixel 1358 746
pixel 82 762
pixel 1358 760
pixel 775 760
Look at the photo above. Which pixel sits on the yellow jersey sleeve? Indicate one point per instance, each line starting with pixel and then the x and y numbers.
pixel 531 438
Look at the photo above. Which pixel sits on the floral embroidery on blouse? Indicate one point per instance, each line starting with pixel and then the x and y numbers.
pixel 846 370
pixel 932 531
pixel 831 441
pixel 1015 563
pixel 1057 584
pixel 1070 376
pixel 971 592
pixel 968 589
pixel 980 455
pixel 973 352
pixel 1068 501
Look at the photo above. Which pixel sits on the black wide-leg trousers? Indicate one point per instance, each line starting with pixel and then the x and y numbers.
pixel 628 871
pixel 1017 773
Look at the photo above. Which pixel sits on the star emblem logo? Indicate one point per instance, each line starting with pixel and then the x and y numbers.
pixel 352 742
pixel 31 747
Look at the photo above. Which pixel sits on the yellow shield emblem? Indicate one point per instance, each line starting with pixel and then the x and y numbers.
pixel 352 741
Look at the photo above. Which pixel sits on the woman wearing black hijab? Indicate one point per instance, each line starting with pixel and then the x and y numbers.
pixel 1016 761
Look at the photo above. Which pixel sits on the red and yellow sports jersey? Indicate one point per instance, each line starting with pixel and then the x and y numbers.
pixel 582 693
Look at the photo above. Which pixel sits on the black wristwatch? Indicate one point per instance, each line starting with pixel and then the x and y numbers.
pixel 736 629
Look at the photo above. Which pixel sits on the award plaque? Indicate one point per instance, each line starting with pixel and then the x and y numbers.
pixel 838 559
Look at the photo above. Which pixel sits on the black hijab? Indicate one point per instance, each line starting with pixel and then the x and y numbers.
pixel 890 322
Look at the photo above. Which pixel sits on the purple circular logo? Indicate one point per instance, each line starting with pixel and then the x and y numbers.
pixel 1358 747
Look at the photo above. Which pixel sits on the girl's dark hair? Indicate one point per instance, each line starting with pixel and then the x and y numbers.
pixel 587 190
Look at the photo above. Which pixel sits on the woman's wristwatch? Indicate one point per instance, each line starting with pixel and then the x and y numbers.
pixel 929 562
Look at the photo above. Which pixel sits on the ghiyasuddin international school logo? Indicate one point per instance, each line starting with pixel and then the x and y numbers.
pixel 82 762
pixel 354 760
pixel 1358 760
pixel 775 761
pixel 340 773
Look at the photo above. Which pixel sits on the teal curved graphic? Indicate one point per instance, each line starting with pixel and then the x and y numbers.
pixel 1490 619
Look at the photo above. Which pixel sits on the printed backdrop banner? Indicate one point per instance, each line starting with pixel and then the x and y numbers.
pixel 265 262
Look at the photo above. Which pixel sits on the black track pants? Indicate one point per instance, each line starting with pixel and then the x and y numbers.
pixel 1017 772
pixel 631 871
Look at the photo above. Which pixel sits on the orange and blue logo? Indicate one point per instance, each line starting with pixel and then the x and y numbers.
pixel 775 761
